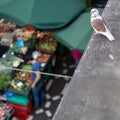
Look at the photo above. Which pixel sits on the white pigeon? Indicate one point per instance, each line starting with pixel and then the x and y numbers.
pixel 99 25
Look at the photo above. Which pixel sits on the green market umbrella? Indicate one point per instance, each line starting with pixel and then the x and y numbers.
pixel 42 14
pixel 78 33
pixel 3 2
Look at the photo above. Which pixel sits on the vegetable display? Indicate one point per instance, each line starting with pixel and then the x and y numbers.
pixel 21 82
pixel 24 77
pixel 19 85
pixel 3 65
pixel 4 79
pixel 26 67
pixel 46 42
pixel 46 47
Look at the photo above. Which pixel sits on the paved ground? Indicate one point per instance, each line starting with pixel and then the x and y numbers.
pixel 55 87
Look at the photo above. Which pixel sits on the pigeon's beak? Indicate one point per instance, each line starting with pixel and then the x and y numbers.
pixel 92 11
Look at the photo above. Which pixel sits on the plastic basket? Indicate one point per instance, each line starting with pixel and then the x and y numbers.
pixel 12 90
pixel 21 111
pixel 18 99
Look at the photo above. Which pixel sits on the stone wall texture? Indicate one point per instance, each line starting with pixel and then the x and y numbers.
pixel 94 91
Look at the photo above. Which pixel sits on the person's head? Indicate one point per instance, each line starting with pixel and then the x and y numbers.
pixel 35 54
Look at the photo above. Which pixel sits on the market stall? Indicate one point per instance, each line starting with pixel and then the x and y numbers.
pixel 15 80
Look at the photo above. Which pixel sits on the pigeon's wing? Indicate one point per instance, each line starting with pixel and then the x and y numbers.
pixel 98 25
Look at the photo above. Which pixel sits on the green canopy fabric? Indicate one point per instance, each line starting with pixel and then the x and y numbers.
pixel 42 14
pixel 77 34
pixel 3 2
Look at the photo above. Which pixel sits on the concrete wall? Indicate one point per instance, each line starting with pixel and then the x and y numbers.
pixel 94 91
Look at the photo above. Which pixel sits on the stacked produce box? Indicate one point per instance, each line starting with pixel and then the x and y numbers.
pixel 21 111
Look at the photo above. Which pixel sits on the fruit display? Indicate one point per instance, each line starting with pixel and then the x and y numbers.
pixel 43 58
pixel 24 33
pixel 6 26
pixel 4 111
pixel 44 35
pixel 24 77
pixel 27 34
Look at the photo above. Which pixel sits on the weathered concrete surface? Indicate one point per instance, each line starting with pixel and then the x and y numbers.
pixel 94 91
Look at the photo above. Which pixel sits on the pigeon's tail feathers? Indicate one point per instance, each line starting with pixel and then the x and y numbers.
pixel 109 35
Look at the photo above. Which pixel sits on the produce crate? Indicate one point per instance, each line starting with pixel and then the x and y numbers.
pixel 18 99
pixel 21 111
pixel 12 90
